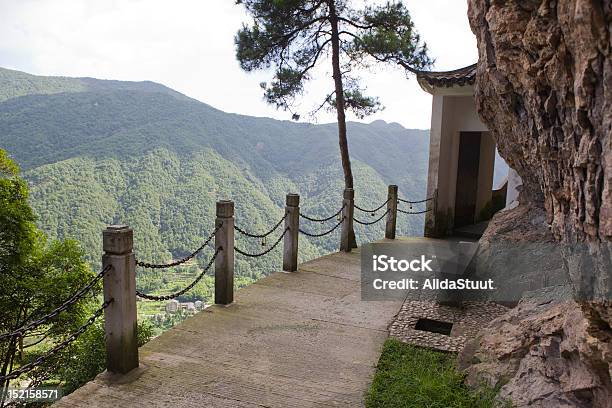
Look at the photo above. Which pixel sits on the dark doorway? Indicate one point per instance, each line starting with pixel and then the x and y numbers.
pixel 467 178
pixel 434 326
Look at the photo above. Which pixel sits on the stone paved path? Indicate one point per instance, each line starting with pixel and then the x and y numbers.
pixel 303 339
pixel 467 321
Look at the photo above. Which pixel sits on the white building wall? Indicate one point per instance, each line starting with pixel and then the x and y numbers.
pixel 454 111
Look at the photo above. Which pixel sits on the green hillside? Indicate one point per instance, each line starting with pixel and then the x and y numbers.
pixel 15 83
pixel 101 152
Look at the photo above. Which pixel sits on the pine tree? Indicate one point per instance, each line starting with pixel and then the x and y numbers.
pixel 294 36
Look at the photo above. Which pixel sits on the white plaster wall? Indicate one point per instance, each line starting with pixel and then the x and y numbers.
pixel 451 114
pixel 435 134
pixel 459 115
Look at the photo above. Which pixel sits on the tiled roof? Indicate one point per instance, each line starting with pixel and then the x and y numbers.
pixel 461 76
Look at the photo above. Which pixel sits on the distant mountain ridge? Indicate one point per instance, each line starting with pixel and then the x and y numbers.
pixel 16 83
pixel 97 152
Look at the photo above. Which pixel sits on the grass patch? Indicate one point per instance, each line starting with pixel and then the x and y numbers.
pixel 409 376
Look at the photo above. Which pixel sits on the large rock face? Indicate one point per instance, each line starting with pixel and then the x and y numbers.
pixel 544 89
pixel 543 354
pixel 546 352
pixel 519 256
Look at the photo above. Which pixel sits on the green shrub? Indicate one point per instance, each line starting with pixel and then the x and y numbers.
pixel 86 358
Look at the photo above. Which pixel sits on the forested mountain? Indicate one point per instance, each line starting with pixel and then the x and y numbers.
pixel 100 152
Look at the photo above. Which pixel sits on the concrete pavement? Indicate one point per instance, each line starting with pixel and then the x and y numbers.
pixel 302 339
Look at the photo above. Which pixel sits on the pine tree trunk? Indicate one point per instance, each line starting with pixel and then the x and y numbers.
pixel 337 74
pixel 344 152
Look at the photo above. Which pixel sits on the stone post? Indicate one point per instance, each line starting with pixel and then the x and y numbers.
pixel 224 263
pixel 346 244
pixel 436 221
pixel 435 202
pixel 391 212
pixel 292 221
pixel 120 320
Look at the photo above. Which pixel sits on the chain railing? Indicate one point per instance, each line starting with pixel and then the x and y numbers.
pixel 264 235
pixel 119 272
pixel 257 255
pixel 182 260
pixel 371 222
pixel 416 202
pixel 374 210
pixel 184 290
pixel 313 219
pixel 392 204
pixel 414 212
pixel 411 203
pixel 57 348
pixel 318 235
pixel 78 295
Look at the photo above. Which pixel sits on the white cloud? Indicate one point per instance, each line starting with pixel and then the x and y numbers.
pixel 188 46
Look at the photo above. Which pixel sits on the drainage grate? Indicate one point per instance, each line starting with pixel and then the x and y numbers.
pixel 434 326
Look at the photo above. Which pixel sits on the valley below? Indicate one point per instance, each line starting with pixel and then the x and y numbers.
pixel 98 152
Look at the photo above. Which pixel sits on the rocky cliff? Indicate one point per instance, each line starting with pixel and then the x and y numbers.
pixel 544 89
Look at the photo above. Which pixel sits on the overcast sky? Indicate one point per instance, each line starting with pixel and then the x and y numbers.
pixel 188 45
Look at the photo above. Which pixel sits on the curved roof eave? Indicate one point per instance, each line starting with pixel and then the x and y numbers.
pixel 458 77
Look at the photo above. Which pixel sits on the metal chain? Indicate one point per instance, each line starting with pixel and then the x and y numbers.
pixel 180 261
pixel 371 222
pixel 310 234
pixel 248 234
pixel 374 210
pixel 241 252
pixel 78 295
pixel 186 289
pixel 413 212
pixel 59 347
pixel 415 202
pixel 323 219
